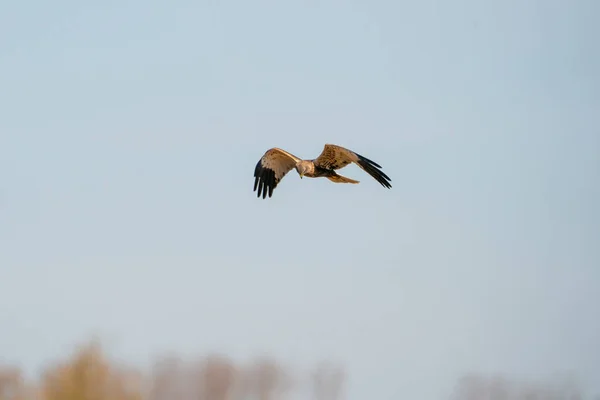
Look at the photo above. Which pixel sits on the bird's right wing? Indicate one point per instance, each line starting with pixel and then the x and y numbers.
pixel 271 169
pixel 336 157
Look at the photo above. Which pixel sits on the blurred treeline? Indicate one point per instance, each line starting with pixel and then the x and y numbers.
pixel 89 374
pixel 479 387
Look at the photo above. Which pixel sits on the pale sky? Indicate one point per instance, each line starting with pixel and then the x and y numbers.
pixel 129 132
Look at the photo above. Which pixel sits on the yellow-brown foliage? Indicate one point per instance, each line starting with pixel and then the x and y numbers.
pixel 88 375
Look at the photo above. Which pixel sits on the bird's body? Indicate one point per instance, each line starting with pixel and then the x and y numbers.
pixel 276 163
pixel 313 170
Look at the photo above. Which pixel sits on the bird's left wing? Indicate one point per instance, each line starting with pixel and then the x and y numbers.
pixel 271 169
pixel 335 157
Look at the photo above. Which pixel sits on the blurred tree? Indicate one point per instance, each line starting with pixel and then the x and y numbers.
pixel 12 385
pixel 89 376
pixel 218 377
pixel 328 381
pixel 470 387
pixel 475 387
pixel 499 389
pixel 165 381
pixel 266 380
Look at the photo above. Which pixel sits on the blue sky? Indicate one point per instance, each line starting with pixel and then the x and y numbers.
pixel 129 133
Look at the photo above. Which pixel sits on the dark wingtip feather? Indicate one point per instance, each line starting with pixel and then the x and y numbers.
pixel 264 181
pixel 255 182
pixel 371 168
pixel 369 161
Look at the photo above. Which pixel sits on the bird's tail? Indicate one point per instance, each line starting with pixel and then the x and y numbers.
pixel 341 179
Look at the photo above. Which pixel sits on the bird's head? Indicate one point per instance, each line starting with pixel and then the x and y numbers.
pixel 303 167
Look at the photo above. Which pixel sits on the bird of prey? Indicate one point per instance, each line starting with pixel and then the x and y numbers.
pixel 276 163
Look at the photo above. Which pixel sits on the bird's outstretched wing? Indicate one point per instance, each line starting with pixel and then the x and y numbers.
pixel 271 169
pixel 335 157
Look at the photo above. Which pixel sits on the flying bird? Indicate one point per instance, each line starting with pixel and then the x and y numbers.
pixel 276 163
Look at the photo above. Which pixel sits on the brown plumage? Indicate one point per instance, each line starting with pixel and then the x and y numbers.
pixel 276 163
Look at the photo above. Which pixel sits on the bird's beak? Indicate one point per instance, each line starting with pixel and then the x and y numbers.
pixel 301 175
